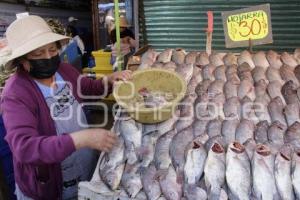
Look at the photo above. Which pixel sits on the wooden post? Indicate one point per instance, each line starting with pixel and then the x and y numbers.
pixel 136 22
pixel 209 31
pixel 95 19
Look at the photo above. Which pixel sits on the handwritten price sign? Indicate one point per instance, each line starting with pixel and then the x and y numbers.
pixel 243 25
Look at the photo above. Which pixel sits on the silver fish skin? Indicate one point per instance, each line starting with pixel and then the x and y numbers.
pixel 186 113
pixel 215 107
pixel 150 53
pixel 231 71
pixel 214 171
pixel 274 75
pixel 231 87
pixel 289 92
pixel 276 133
pixel 165 56
pixel 245 131
pixel 292 135
pixel 141 196
pixel 186 71
pixel 195 157
pixel 216 59
pixel 238 172
pixel 170 66
pixel 201 106
pixel 146 63
pixel 192 86
pixel 291 113
pixel 162 159
pixel 177 148
pixel 202 87
pixel 232 108
pixel 244 68
pixel 261 87
pixel 264 185
pixel 297 55
pixel 275 108
pixel 148 148
pixel 287 74
pixel 178 56
pixel 295 173
pixel 190 58
pixel 215 88
pixel 228 130
pixel 249 109
pixel 157 65
pixel 202 59
pixel 193 192
pixel 219 73
pixel 214 127
pixel 289 60
pixel 259 73
pixel 261 132
pixel 131 180
pixel 207 72
pixel 230 59
pixel 283 162
pixel 199 127
pixel 132 134
pixel 171 188
pixel 112 166
pixel 246 57
pixel 297 72
pixel 166 126
pixel 260 60
pixel 274 59
pixel 150 183
pixel 274 90
pixel 250 146
pixel 246 88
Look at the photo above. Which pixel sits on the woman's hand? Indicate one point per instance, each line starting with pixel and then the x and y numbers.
pixel 97 138
pixel 119 76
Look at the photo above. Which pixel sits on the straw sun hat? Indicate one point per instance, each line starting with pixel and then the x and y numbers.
pixel 27 34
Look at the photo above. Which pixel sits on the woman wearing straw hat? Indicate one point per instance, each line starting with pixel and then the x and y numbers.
pixel 43 117
pixel 127 43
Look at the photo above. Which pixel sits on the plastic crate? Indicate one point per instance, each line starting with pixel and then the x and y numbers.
pixel 102 60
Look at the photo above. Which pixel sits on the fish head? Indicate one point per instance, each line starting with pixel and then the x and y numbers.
pixel 217 148
pixel 237 147
pixel 263 150
pixel 286 152
pixel 111 179
pixel 133 186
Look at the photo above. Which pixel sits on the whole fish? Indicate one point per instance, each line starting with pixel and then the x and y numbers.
pixel 170 186
pixel 214 171
pixel 261 132
pixel 202 59
pixel 246 57
pixel 195 157
pixel 150 183
pixel 275 108
pixel 289 60
pixel 131 180
pixel 215 88
pixel 276 134
pixel 287 74
pixel 219 73
pixel 112 166
pixel 162 158
pixel 177 148
pixel 292 135
pixel 289 92
pixel 214 127
pixel 230 59
pixel 259 73
pixel 202 87
pixel 274 59
pixel 297 72
pixel 244 131
pixel 231 87
pixel 190 58
pixel 216 59
pixel 165 56
pixel 231 71
pixel 246 88
pixel 296 173
pixel 274 75
pixel 274 90
pixel 132 134
pixel 150 53
pixel 186 71
pixel 178 56
pixel 193 192
pixel 260 87
pixel 170 66
pixel 238 171
pixel 228 130
pixel 260 60
pixel 232 108
pixel 264 186
pixel 291 113
pixel 207 72
pixel 283 178
pixel 199 127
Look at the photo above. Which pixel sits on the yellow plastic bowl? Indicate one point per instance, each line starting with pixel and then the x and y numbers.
pixel 154 80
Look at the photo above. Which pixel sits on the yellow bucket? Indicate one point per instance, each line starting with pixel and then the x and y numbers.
pixel 154 80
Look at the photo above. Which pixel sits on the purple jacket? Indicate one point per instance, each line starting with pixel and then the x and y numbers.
pixel 31 134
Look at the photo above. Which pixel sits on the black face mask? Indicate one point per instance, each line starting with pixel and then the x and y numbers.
pixel 44 68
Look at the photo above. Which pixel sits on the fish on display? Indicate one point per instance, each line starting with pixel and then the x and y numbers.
pixel 259 73
pixel 261 132
pixel 194 192
pixel 296 173
pixel 178 56
pixel 292 135
pixel 260 60
pixel 274 59
pixel 244 131
pixel 131 180
pixel 246 57
pixel 230 59
pixel 287 74
pixel 216 59
pixel 229 128
pixel 231 87
pixel 275 108
pixel 274 75
pixel 165 56
pixel 150 182
pixel 291 113
pixel 219 73
pixel 190 58
pixel 202 59
pixel 207 72
pixel 186 71
pixel 289 60
pixel 289 92
pixel 274 90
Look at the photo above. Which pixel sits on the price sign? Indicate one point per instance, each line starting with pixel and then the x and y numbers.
pixel 252 23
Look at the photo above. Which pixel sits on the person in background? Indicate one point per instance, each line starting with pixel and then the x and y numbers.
pixel 41 107
pixel 127 43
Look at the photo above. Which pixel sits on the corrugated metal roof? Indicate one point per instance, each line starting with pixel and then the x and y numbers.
pixel 182 23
